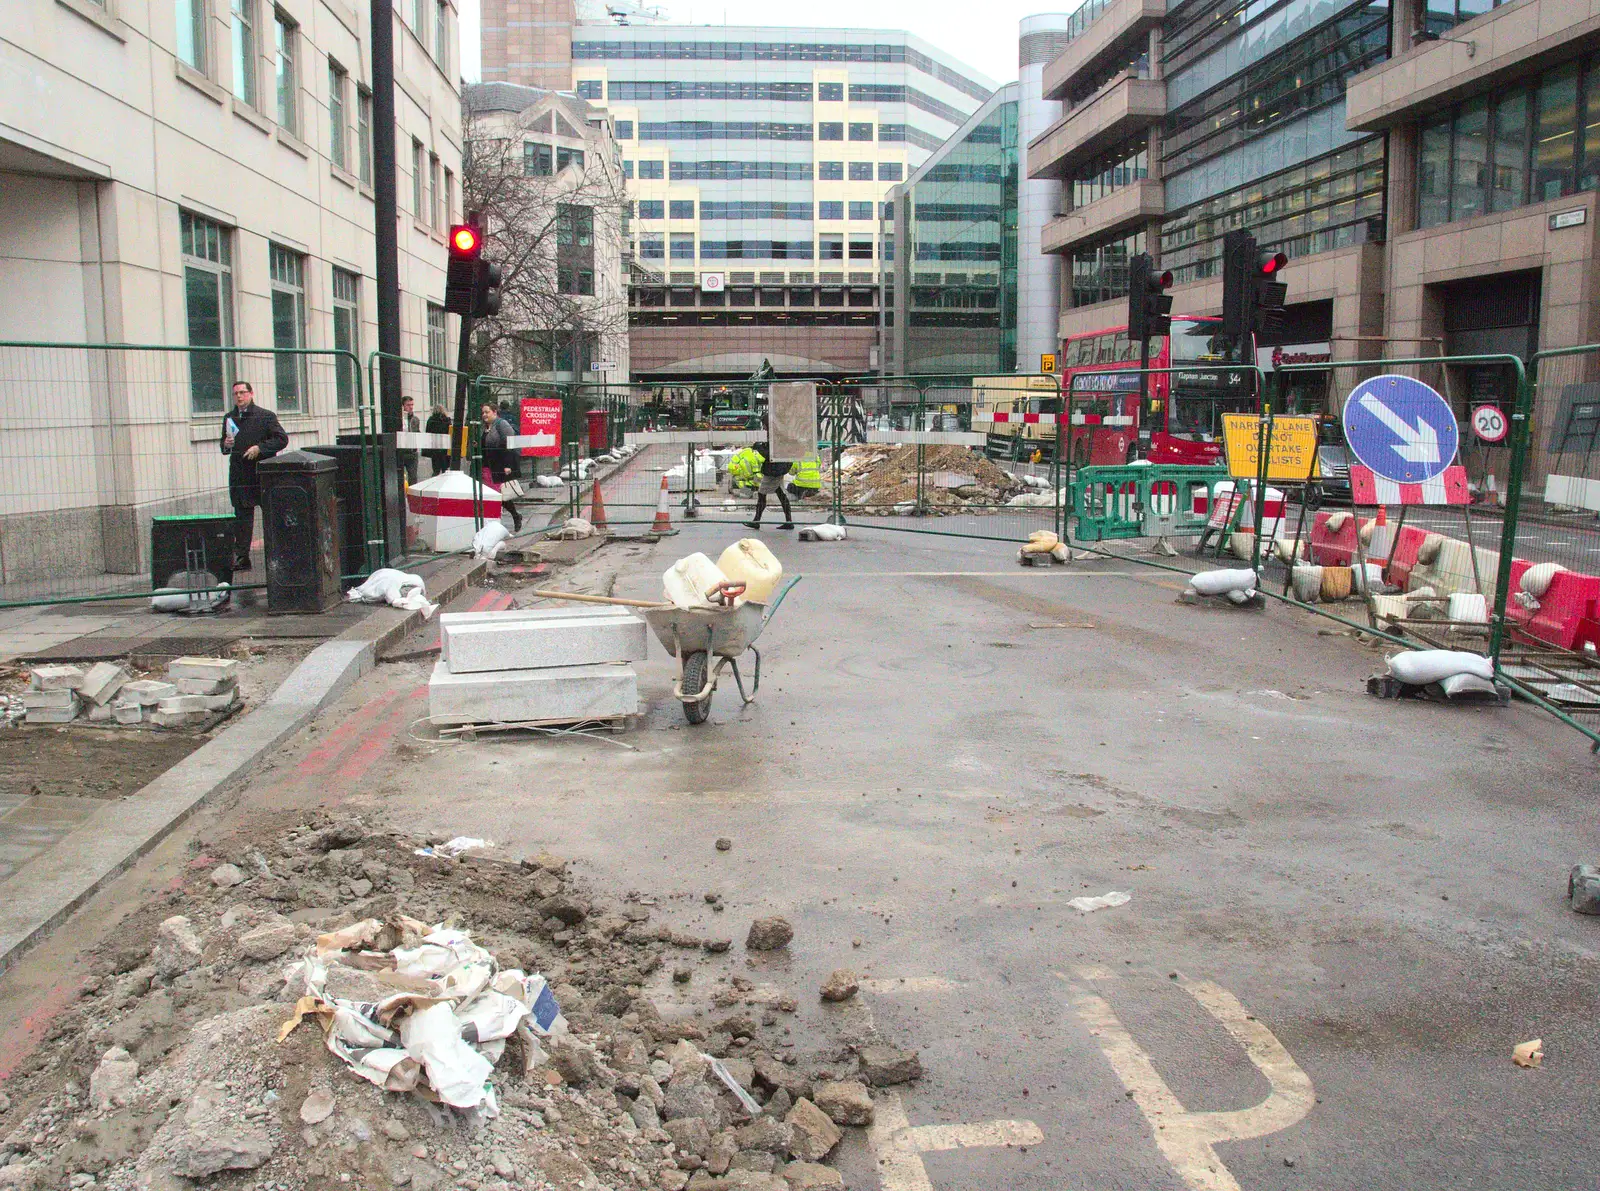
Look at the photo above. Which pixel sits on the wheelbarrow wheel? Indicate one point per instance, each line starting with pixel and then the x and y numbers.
pixel 694 679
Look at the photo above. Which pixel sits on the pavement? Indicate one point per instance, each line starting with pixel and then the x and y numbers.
pixel 1344 912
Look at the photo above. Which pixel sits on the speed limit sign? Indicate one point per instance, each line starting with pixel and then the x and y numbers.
pixel 1488 423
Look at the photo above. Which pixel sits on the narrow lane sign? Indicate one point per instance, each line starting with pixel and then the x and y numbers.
pixel 1401 429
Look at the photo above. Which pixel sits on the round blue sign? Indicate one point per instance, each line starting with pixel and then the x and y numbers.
pixel 1400 428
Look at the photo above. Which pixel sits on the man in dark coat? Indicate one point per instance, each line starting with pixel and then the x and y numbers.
pixel 772 473
pixel 438 423
pixel 250 434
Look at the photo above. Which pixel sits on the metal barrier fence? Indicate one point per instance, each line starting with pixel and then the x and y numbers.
pixel 98 441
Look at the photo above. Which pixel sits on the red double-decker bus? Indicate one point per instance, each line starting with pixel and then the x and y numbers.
pixel 1181 421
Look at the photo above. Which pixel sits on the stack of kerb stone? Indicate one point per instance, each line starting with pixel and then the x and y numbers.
pixel 536 666
pixel 196 689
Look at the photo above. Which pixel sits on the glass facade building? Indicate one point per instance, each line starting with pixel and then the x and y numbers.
pixel 954 305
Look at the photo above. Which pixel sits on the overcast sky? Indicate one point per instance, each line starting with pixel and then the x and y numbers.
pixel 982 34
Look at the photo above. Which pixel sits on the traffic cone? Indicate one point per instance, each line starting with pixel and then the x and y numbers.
pixel 663 521
pixel 597 509
pixel 1378 547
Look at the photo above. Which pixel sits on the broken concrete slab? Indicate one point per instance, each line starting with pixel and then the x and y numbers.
pixel 57 678
pixel 205 686
pixel 102 682
pixel 126 712
pixel 212 668
pixel 180 704
pixel 54 715
pixel 53 700
pixel 559 694
pixel 146 692
pixel 530 644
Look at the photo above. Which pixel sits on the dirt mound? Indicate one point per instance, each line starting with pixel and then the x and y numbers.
pixel 877 477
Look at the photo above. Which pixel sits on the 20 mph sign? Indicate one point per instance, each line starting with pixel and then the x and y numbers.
pixel 1489 423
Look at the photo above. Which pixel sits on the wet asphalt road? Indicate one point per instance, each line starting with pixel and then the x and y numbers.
pixel 1344 913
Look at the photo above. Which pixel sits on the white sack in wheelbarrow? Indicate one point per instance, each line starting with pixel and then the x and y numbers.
pixel 396 588
pixel 1422 666
pixel 1214 583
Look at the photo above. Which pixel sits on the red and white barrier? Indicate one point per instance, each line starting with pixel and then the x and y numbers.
pixel 1447 488
pixel 442 510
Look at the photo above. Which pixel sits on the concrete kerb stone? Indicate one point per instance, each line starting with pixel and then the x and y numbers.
pixel 52 886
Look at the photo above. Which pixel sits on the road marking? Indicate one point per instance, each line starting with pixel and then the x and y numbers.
pixel 899 1148
pixel 1186 1138
pixel 319 758
pixel 1017 573
pixel 913 984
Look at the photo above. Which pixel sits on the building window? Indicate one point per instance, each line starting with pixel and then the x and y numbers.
pixel 861 131
pixel 651 170
pixel 574 226
pixel 830 131
pixel 419 168
pixel 652 209
pixel 652 246
pixel 284 33
pixel 537 160
pixel 1122 165
pixel 627 169
pixel 419 21
pixel 1556 137
pixel 438 347
pixel 192 17
pixel 682 246
pixel 435 195
pixel 830 171
pixel 830 247
pixel 624 130
pixel 828 210
pixel 364 132
pixel 681 209
pixel 888 255
pixel 244 51
pixel 861 171
pixel 441 36
pixel 861 248
pixel 208 308
pixel 287 271
pixel 1443 15
pixel 861 210
pixel 830 92
pixel 346 334
pixel 1100 274
pixel 590 89
pixel 337 131
pixel 1470 169
pixel 568 157
pixel 577 281
pixel 449 198
pixel 890 171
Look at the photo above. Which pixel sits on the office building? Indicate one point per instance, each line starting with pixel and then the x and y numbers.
pixel 197 173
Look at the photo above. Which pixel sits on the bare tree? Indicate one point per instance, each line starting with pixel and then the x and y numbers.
pixel 533 221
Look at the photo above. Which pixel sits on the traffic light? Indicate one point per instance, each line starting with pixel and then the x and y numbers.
pixel 461 273
pixel 1252 295
pixel 1149 306
pixel 471 284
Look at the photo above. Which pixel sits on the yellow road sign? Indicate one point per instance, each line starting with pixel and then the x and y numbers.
pixel 1292 457
pixel 1047 362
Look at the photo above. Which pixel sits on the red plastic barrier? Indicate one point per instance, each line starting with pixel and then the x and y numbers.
pixel 1329 549
pixel 1403 558
pixel 1515 612
pixel 1570 600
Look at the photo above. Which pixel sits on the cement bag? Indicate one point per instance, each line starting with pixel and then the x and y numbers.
pixel 1423 666
pixel 748 561
pixel 1428 551
pixel 823 533
pixel 1040 541
pixel 687 581
pixel 1243 545
pixel 1307 582
pixel 395 588
pixel 1469 607
pixel 1336 521
pixel 1366 577
pixel 490 540
pixel 1536 579
pixel 1468 684
pixel 1060 552
pixel 572 529
pixel 1335 584
pixel 1213 583
pixel 1032 500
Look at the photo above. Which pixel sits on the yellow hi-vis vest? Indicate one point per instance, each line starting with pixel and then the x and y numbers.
pixel 807 474
pixel 745 467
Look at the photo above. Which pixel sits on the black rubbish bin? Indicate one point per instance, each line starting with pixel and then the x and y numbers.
pixel 301 513
pixel 349 485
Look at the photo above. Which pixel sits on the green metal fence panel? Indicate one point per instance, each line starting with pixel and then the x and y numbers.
pixel 1140 501
pixel 99 440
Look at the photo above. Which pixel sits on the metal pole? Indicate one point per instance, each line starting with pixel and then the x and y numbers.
pixel 1264 439
pixel 385 214
pixel 458 431
pixel 1521 428
pixel 1144 397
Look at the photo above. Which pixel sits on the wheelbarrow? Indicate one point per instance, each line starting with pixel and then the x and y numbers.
pixel 695 636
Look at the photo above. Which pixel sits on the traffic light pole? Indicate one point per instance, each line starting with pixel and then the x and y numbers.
pixel 386 216
pixel 458 426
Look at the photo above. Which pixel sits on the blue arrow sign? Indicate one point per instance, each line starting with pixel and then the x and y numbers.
pixel 1400 428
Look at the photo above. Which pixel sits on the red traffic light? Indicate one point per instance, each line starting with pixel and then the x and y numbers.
pixel 465 240
pixel 1271 262
pixel 1163 280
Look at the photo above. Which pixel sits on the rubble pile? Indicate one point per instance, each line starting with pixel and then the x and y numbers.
pixel 270 1026
pixel 196 692
pixel 878 478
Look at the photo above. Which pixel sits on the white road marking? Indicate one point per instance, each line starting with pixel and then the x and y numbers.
pixel 899 1148
pixel 1186 1138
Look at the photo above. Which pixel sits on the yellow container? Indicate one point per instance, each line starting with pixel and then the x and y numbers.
pixel 748 561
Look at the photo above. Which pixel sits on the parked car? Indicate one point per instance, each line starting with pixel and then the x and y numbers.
pixel 1333 461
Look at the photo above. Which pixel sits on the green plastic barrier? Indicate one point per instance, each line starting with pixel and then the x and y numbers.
pixel 1138 501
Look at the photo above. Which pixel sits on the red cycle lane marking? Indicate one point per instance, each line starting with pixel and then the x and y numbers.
pixel 376 739
pixel 22 1039
pixel 320 757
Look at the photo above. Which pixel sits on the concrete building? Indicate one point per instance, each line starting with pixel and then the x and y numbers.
pixel 758 161
pixel 552 162
pixel 197 173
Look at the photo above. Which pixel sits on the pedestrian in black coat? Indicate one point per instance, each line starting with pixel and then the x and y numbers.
pixel 250 434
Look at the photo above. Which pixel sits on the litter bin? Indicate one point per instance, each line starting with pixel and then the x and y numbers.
pixel 349 487
pixel 301 512
pixel 598 442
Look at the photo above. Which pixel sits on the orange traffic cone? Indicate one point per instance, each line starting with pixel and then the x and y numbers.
pixel 597 509
pixel 663 521
pixel 1378 545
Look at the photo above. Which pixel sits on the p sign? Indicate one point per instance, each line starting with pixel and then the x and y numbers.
pixel 1047 361
pixel 1489 423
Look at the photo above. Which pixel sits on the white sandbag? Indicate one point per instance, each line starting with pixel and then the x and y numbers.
pixel 1365 532
pixel 823 533
pixel 1422 593
pixel 574 529
pixel 1468 607
pixel 1289 551
pixel 1467 684
pixel 1307 582
pixel 688 582
pixel 1221 582
pixel 1032 500
pixel 1040 541
pixel 490 540
pixel 1241 597
pixel 1336 521
pixel 1061 553
pixel 549 482
pixel 1536 579
pixel 1422 666
pixel 1036 481
pixel 177 599
pixel 395 588
pixel 1366 578
pixel 1428 551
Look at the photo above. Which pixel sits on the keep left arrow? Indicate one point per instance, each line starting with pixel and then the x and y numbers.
pixel 1418 444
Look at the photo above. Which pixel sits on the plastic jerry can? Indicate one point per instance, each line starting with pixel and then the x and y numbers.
pixel 687 581
pixel 748 561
